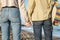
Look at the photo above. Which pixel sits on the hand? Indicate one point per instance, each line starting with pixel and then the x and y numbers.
pixel 28 24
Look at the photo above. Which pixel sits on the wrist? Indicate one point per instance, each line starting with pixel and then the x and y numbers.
pixel 27 20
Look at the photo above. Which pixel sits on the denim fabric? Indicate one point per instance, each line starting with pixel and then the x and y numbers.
pixel 47 27
pixel 10 17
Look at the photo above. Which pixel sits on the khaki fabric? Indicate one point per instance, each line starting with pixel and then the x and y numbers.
pixel 54 13
pixel 39 9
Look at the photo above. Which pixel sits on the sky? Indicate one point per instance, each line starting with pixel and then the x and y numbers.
pixel 26 3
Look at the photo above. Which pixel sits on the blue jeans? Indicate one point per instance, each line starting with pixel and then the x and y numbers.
pixel 10 17
pixel 47 26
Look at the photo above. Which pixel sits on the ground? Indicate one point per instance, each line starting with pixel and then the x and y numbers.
pixel 27 36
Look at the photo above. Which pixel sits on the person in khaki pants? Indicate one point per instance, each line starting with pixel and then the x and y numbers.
pixel 39 14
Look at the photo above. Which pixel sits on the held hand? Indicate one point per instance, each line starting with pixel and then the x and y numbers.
pixel 28 24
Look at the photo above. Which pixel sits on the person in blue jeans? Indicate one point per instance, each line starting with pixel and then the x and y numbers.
pixel 10 17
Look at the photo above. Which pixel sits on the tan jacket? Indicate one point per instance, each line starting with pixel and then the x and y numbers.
pixel 39 9
pixel 18 3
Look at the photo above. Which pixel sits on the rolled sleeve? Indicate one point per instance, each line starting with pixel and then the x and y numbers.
pixel 22 8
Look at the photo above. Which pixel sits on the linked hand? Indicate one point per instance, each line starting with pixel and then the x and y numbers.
pixel 28 24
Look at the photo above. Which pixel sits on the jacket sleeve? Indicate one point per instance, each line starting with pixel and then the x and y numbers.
pixel 31 6
pixel 22 8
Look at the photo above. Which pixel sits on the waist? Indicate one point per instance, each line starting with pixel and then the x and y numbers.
pixel 9 7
